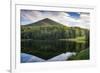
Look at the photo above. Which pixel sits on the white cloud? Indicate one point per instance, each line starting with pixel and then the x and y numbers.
pixel 61 17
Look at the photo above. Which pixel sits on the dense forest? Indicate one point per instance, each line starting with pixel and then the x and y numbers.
pixel 47 38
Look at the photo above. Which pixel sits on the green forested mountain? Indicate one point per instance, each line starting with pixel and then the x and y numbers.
pixel 49 29
pixel 47 38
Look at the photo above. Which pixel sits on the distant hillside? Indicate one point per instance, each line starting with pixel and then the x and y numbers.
pixel 49 22
pixel 44 22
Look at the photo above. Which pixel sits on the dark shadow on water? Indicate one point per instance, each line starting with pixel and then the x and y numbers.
pixel 47 49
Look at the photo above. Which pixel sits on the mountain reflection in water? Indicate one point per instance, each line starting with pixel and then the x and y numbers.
pixel 31 58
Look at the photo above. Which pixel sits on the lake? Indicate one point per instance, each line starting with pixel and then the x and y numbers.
pixel 31 58
pixel 50 50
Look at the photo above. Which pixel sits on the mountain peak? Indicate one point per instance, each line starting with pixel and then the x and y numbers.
pixel 44 22
pixel 46 19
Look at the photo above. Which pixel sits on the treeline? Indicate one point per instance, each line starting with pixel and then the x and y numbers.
pixel 52 32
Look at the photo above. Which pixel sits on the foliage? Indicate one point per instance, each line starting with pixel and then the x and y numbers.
pixel 82 55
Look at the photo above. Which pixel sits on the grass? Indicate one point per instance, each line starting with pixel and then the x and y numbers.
pixel 82 55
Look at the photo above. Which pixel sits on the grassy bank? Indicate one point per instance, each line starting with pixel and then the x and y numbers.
pixel 82 55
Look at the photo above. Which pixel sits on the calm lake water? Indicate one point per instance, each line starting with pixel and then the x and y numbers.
pixel 52 50
pixel 31 58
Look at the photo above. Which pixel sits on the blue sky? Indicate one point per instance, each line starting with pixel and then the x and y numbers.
pixel 66 18
pixel 75 15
